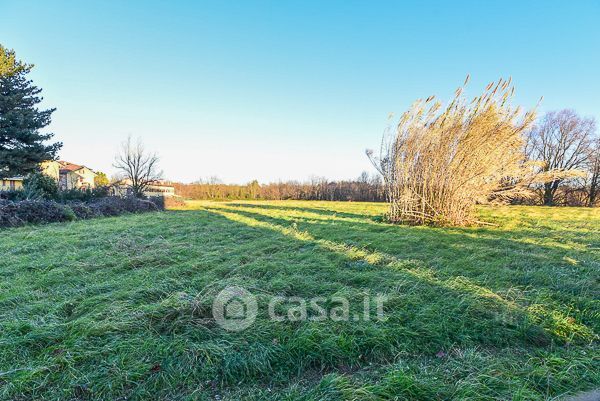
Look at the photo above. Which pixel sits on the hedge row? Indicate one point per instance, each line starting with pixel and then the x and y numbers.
pixel 13 214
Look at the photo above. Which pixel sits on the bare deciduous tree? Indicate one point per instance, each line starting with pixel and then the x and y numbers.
pixel 139 167
pixel 594 163
pixel 561 141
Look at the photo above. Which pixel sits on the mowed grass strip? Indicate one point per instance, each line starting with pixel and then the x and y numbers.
pixel 120 308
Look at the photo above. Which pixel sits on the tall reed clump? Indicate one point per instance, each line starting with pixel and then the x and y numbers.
pixel 439 162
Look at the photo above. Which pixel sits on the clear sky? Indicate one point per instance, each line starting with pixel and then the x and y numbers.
pixel 285 89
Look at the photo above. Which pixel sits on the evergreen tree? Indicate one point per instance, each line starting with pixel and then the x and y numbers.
pixel 22 146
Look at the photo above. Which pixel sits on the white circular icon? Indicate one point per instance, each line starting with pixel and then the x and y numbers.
pixel 235 308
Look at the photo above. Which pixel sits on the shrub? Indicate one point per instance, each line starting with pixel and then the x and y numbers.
pixel 74 195
pixel 40 186
pixel 159 201
pixel 13 195
pixel 8 217
pixel 14 214
pixel 33 211
pixel 440 162
pixel 82 195
pixel 114 206
pixel 83 211
pixel 167 202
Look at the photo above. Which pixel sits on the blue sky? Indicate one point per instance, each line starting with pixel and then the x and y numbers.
pixel 285 89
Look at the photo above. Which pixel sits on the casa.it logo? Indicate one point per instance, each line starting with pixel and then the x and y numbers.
pixel 235 309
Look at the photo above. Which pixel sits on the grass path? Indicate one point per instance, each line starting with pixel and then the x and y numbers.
pixel 120 308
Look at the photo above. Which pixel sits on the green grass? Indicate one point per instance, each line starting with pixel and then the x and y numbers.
pixel 120 308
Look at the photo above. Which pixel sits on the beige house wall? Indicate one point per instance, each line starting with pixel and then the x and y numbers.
pixel 11 184
pixel 157 189
pixel 51 169
pixel 82 178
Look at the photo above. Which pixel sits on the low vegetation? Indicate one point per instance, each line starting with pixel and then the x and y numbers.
pixel 119 308
pixel 41 211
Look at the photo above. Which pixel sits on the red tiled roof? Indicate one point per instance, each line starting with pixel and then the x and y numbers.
pixel 66 166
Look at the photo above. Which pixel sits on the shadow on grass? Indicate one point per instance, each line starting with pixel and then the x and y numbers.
pixel 518 272
pixel 319 211
pixel 118 320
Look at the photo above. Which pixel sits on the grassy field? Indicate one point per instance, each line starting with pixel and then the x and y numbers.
pixel 120 308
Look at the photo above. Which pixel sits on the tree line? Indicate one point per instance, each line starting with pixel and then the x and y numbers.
pixel 366 188
pixel 567 146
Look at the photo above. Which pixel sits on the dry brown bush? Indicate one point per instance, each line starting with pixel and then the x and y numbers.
pixel 439 162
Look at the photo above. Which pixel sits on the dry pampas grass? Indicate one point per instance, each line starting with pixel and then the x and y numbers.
pixel 439 162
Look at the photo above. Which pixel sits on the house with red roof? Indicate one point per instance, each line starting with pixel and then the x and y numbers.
pixel 74 176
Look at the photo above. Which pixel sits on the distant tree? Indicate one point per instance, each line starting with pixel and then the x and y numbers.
pixel 364 177
pixel 101 179
pixel 138 167
pixel 594 187
pixel 22 146
pixel 561 141
pixel 214 180
pixel 253 189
